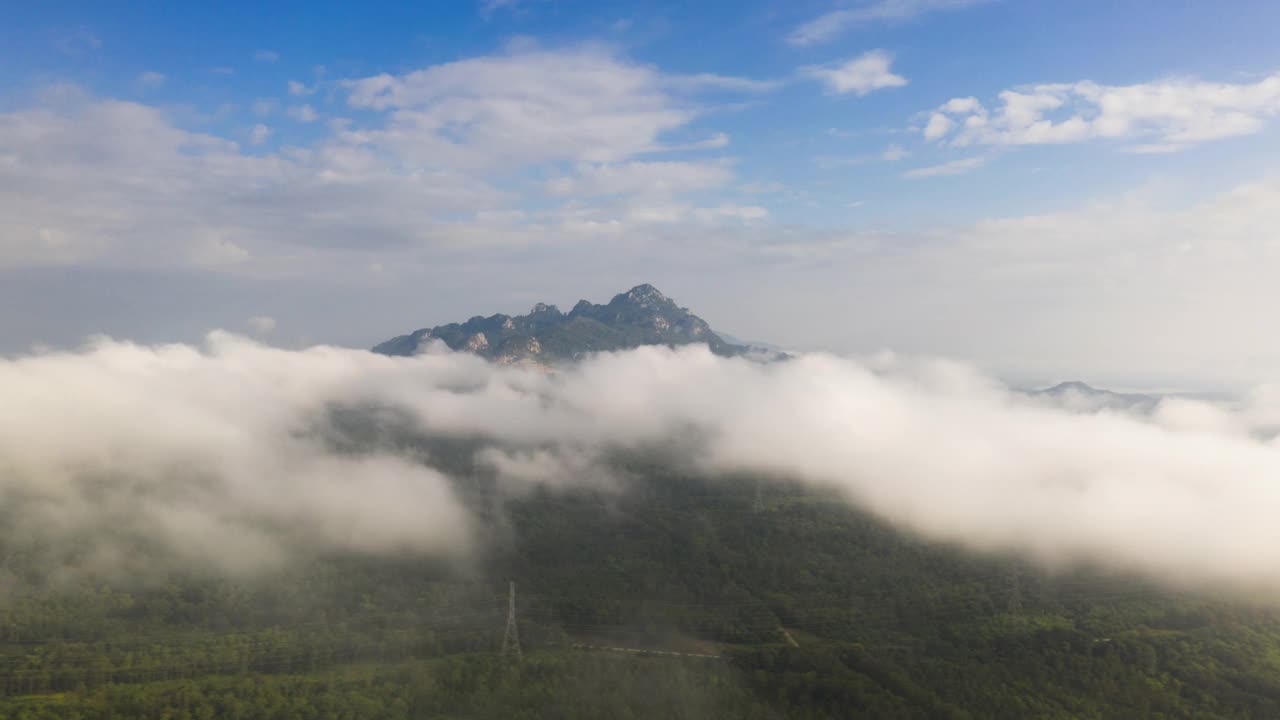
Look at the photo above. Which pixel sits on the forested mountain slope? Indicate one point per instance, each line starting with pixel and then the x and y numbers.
pixel 782 602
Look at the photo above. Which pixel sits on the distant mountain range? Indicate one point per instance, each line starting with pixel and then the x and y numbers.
pixel 1076 395
pixel 640 316
pixel 644 316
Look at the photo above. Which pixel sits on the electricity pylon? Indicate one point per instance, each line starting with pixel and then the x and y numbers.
pixel 511 639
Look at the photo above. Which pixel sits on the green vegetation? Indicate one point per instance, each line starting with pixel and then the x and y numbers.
pixel 808 608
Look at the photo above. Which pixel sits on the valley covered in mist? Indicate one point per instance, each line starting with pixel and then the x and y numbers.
pixel 236 530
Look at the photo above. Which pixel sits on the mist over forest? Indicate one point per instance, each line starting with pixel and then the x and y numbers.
pixel 237 455
pixel 252 508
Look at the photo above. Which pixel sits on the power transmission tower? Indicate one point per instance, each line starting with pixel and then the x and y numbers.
pixel 511 639
pixel 1015 594
pixel 758 505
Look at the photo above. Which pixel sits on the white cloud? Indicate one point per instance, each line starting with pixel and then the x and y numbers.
pixel 77 41
pixel 1167 115
pixel 222 70
pixel 938 126
pixel 151 79
pixel 259 134
pixel 107 182
pixel 641 215
pixel 894 153
pixel 303 113
pixel 1140 289
pixel 266 56
pixel 538 106
pixel 730 211
pixel 962 105
pixel 762 188
pixel 826 27
pixel 702 81
pixel 861 75
pixel 236 456
pixel 954 167
pixel 262 324
pixel 226 413
pixel 646 178
pixel 434 164
pixel 297 88
pixel 488 7
pixel 714 142
pixel 1155 148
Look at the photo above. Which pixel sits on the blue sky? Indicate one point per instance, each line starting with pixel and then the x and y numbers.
pixel 799 172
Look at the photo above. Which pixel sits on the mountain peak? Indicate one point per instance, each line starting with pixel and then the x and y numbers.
pixel 640 316
pixel 645 295
pixel 1073 385
pixel 645 289
pixel 1083 396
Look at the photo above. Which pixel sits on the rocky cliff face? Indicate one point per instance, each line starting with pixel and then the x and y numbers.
pixel 640 316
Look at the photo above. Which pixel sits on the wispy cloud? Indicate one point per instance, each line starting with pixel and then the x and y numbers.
pixel 703 81
pixel 151 79
pixel 893 153
pixel 77 41
pixel 262 324
pixel 460 152
pixel 303 113
pixel 648 178
pixel 829 25
pixel 266 55
pixel 582 105
pixel 259 134
pixel 866 73
pixel 1168 115
pixel 955 167
pixel 489 7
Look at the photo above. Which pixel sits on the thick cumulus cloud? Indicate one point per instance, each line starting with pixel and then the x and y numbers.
pixel 225 453
pixel 210 453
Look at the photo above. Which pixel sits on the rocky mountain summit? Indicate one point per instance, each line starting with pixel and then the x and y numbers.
pixel 640 316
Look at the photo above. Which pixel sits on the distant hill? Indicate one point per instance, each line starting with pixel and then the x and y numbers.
pixel 1076 395
pixel 640 316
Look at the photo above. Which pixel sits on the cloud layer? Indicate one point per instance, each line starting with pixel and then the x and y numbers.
pixel 230 454
pixel 828 26
pixel 410 165
pixel 866 73
pixel 1162 116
